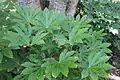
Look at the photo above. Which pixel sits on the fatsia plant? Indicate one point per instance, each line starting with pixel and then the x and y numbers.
pixel 48 45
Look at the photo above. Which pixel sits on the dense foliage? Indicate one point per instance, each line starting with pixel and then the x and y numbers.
pixel 47 45
pixel 105 15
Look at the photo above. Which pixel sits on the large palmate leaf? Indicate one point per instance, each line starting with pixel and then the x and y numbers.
pixel 54 67
pixel 23 36
pixel 25 14
pixel 33 71
pixel 96 67
pixel 78 32
pixel 20 37
pixel 50 20
pixel 60 39
pixel 37 39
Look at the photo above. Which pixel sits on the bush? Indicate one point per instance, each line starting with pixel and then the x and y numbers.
pixel 40 45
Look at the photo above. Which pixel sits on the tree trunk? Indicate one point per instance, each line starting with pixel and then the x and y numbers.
pixel 66 6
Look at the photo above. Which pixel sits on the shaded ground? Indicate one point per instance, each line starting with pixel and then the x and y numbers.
pixel 114 74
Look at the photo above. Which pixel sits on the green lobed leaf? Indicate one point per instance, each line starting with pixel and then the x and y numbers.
pixel 8 53
pixel 85 73
pixel 94 76
pixel 28 64
pixel 37 39
pixel 33 76
pixel 28 70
